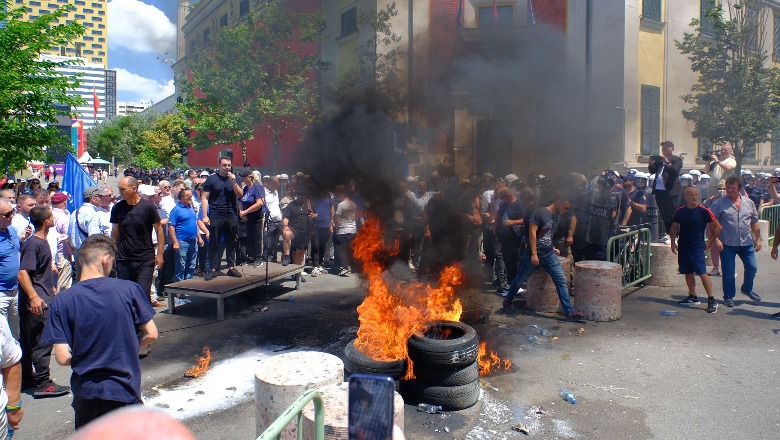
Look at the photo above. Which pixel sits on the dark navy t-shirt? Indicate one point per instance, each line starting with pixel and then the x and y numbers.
pixel 222 196
pixel 322 207
pixel 693 224
pixel 251 195
pixel 98 319
pixel 547 224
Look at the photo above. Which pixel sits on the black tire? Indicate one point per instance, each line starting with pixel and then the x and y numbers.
pixel 448 378
pixel 449 398
pixel 459 351
pixel 357 362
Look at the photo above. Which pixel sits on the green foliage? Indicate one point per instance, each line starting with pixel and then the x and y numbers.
pixel 29 85
pixel 254 77
pixel 736 99
pixel 374 81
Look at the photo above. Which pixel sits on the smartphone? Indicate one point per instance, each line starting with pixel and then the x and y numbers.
pixel 656 158
pixel 370 407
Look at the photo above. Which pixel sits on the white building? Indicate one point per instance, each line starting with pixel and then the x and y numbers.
pixel 94 79
pixel 125 108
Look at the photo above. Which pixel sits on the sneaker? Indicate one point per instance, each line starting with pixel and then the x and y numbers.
pixel 258 263
pixel 776 315
pixel 575 316
pixel 714 273
pixel 692 300
pixel 728 302
pixel 506 306
pixel 712 305
pixel 315 271
pixel 50 389
pixel 144 351
pixel 286 261
pixel 502 288
pixel 232 272
pixel 752 295
pixel 209 275
pixel 345 271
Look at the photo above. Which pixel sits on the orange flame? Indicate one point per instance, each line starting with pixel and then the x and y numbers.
pixel 202 366
pixel 389 315
pixel 490 362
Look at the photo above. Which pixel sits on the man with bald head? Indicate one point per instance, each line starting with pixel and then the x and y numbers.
pixel 721 168
pixel 690 222
pixel 133 220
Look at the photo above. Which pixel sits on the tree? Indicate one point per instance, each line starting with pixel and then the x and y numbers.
pixel 123 138
pixel 165 143
pixel 374 82
pixel 736 99
pixel 32 93
pixel 257 75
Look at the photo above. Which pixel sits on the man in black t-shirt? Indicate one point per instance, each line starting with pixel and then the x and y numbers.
pixel 133 220
pixel 541 252
pixel 219 200
pixel 36 281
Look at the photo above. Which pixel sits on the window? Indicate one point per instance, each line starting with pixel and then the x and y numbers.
pixel 751 26
pixel 62 51
pixel 206 34
pixel 704 146
pixel 704 8
pixel 223 20
pixel 751 154
pixel 349 21
pixel 651 119
pixel 78 49
pixel 243 8
pixel 651 9
pixel 776 37
pixel 498 17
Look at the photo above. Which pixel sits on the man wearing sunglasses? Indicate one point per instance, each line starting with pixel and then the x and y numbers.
pixel 9 268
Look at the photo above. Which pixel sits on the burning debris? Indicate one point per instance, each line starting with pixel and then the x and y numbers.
pixel 489 362
pixel 202 365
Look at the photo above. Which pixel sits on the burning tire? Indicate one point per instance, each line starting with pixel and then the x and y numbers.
pixel 449 377
pixel 449 398
pixel 357 362
pixel 445 345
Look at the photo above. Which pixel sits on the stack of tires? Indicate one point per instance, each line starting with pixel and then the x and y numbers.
pixel 357 362
pixel 444 359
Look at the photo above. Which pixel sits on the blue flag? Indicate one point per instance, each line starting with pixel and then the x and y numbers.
pixel 75 181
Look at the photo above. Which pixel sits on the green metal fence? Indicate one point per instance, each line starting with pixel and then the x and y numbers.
pixel 295 411
pixel 772 214
pixel 631 250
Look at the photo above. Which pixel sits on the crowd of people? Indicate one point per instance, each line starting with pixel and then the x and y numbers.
pixel 161 227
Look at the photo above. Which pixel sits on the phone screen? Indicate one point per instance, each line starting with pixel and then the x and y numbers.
pixel 370 407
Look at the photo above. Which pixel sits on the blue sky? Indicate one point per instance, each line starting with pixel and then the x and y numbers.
pixel 140 32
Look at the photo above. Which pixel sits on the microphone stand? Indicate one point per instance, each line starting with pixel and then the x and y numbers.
pixel 266 217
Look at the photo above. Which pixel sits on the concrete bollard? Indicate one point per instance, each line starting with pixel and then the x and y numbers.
pixel 336 401
pixel 664 267
pixel 763 227
pixel 540 292
pixel 280 380
pixel 599 290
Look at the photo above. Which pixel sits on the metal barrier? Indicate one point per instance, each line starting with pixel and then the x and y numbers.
pixel 632 251
pixel 772 214
pixel 274 431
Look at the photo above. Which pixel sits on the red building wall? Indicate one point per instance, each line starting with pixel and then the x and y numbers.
pixel 552 12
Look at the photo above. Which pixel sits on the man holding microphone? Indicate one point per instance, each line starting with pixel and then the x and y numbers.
pixel 220 214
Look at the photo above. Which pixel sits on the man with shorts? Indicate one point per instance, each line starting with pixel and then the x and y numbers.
pixel 690 222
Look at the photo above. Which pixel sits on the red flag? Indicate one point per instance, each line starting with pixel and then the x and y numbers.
pixel 95 101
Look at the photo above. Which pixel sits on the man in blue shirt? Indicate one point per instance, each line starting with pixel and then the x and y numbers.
pixel 9 268
pixel 183 230
pixel 102 349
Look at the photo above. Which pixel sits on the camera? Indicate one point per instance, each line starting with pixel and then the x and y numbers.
pixel 656 159
pixel 706 156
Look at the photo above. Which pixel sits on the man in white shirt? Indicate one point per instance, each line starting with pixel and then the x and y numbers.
pixel 58 238
pixel 168 202
pixel 21 221
pixel 721 168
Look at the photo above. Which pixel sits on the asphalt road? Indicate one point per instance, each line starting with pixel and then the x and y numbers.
pixel 689 376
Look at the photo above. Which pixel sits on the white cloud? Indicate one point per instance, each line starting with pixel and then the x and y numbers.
pixel 140 27
pixel 144 89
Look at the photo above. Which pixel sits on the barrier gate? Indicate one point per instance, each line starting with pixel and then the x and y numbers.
pixel 631 250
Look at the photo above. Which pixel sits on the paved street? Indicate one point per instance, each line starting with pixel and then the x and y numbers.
pixel 690 376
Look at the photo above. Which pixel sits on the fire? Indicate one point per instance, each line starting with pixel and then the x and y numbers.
pixel 202 366
pixel 390 314
pixel 490 362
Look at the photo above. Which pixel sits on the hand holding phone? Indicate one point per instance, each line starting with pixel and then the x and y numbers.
pixel 370 407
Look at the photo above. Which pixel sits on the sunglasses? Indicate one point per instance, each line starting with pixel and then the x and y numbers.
pixel 8 214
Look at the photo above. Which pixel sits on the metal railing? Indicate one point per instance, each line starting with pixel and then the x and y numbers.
pixel 631 250
pixel 772 214
pixel 274 431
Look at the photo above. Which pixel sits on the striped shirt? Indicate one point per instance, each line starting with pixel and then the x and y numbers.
pixel 736 223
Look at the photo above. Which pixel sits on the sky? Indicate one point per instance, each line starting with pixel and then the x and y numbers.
pixel 141 48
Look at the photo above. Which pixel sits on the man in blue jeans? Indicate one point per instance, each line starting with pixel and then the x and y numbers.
pixel 740 236
pixel 540 252
pixel 183 230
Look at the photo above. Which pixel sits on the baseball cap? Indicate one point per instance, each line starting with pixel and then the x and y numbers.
pixel 58 198
pixel 245 173
pixel 93 191
pixel 146 190
pixel 204 173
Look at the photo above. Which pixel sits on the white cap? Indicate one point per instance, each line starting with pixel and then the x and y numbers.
pixel 146 190
pixel 204 173
pixel 705 176
pixel 695 173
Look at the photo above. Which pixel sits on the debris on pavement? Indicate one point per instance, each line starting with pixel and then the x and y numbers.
pixel 521 427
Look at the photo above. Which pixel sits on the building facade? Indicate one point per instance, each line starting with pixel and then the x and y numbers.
pixel 93 14
pixel 94 80
pixel 125 108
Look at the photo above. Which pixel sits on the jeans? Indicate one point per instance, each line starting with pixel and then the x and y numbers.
pixel 186 259
pixel 320 245
pixel 342 244
pixel 552 266
pixel 9 307
pixel 727 266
